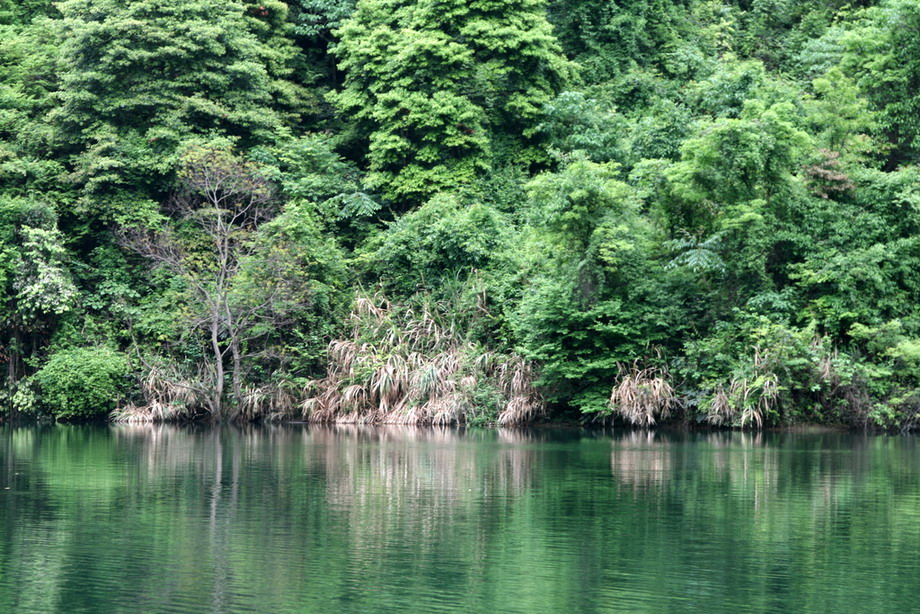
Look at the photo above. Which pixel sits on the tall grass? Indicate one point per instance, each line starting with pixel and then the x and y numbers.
pixel 748 400
pixel 412 365
pixel 266 401
pixel 643 396
pixel 168 397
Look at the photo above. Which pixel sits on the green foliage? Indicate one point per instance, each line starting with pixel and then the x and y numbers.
pixel 296 282
pixel 438 85
pixel 308 168
pixel 318 18
pixel 34 265
pixel 441 241
pixel 592 302
pixel 609 38
pixel 140 79
pixel 42 284
pixel 575 123
pixel 733 162
pixel 27 81
pixel 725 92
pixel 839 116
pixel 756 371
pixel 658 132
pixel 883 51
pixel 571 203
pixel 713 216
pixel 82 382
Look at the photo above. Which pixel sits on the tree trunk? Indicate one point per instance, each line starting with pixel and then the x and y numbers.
pixel 14 372
pixel 237 372
pixel 218 394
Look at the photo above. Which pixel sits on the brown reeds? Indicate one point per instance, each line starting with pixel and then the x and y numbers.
pixel 642 396
pixel 269 400
pixel 168 397
pixel 413 366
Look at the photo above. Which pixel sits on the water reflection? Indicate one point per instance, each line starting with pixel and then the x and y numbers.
pixel 641 459
pixel 356 518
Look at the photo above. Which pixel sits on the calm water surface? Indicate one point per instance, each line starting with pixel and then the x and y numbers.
pixel 306 519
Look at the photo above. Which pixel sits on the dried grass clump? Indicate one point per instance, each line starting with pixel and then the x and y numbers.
pixel 267 401
pixel 145 414
pixel 168 397
pixel 642 396
pixel 412 366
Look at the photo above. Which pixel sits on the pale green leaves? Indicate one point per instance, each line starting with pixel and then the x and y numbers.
pixel 42 284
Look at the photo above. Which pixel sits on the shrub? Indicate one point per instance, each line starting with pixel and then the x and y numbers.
pixel 82 382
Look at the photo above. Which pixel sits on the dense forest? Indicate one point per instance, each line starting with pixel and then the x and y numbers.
pixel 461 211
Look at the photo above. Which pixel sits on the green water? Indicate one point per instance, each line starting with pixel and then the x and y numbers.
pixel 301 519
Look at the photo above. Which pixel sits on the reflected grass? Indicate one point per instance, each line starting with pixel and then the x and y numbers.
pixel 309 518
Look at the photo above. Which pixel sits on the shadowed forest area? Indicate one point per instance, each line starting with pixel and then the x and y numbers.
pixel 461 211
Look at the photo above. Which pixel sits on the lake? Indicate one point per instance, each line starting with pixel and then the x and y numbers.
pixel 302 518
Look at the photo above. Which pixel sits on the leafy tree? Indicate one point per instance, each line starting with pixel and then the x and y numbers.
pixel 141 79
pixel 23 11
pixel 612 38
pixel 658 133
pixel 7 12
pixel 732 163
pixel 840 117
pixel 439 86
pixel 222 203
pixel 309 170
pixel 28 80
pixel 37 284
pixel 319 18
pixel 883 50
pixel 295 281
pixel 591 303
pixel 575 123
pixel 440 241
pixel 260 287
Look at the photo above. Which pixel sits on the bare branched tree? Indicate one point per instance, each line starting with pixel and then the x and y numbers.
pixel 212 227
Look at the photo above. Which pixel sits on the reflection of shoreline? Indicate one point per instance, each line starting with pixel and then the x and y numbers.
pixel 397 465
pixel 345 518
pixel 440 470
pixel 645 459
pixel 758 470
pixel 367 469
pixel 397 432
pixel 640 460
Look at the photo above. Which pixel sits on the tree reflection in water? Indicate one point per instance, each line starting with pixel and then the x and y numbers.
pixel 356 518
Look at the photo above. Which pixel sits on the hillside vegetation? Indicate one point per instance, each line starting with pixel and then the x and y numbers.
pixel 461 211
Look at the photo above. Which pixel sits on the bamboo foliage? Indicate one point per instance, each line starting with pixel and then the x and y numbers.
pixel 412 366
